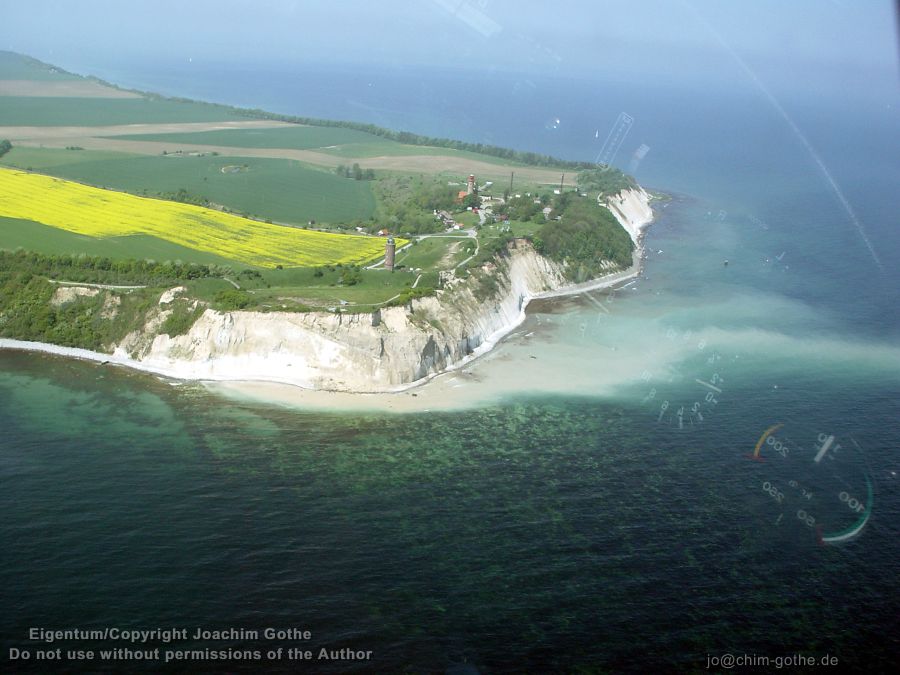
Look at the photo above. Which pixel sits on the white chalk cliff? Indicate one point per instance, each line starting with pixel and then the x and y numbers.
pixel 384 351
pixel 632 209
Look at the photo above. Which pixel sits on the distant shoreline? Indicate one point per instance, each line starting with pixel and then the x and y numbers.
pixel 524 158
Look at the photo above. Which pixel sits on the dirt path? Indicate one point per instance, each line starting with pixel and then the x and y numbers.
pixel 445 261
pixel 83 283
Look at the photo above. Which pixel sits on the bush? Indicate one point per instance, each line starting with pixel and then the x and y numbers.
pixel 232 299
pixel 351 276
pixel 182 318
pixel 486 287
pixel 605 181
pixel 410 294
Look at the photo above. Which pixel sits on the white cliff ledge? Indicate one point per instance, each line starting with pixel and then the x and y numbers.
pixel 389 350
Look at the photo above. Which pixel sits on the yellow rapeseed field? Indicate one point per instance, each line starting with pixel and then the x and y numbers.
pixel 103 213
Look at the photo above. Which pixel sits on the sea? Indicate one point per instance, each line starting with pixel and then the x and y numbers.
pixel 696 469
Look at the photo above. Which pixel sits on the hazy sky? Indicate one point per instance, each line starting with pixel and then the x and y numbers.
pixel 663 38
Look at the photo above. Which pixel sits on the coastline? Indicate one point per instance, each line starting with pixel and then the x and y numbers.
pixel 286 392
pixel 395 351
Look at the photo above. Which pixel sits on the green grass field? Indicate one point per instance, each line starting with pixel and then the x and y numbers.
pixel 385 147
pixel 520 228
pixel 467 219
pixel 44 111
pixel 301 286
pixel 429 252
pixel 349 143
pixel 281 190
pixel 31 236
pixel 43 159
pixel 295 137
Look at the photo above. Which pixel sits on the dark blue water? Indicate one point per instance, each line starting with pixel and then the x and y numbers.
pixel 597 529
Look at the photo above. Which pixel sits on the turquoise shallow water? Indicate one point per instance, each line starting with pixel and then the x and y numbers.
pixel 615 522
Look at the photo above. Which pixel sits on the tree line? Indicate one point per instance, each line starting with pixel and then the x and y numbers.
pixel 102 270
pixel 410 138
pixel 355 172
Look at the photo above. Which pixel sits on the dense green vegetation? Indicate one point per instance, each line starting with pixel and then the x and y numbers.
pixel 604 181
pixel 525 208
pixel 406 203
pixel 579 232
pixel 99 270
pixel 26 313
pixel 486 285
pixel 183 316
pixel 233 299
pixel 280 190
pixel 420 291
pixel 586 235
pixel 5 146
pixel 355 172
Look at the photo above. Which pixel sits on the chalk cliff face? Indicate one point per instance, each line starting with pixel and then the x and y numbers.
pixel 384 351
pixel 632 209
